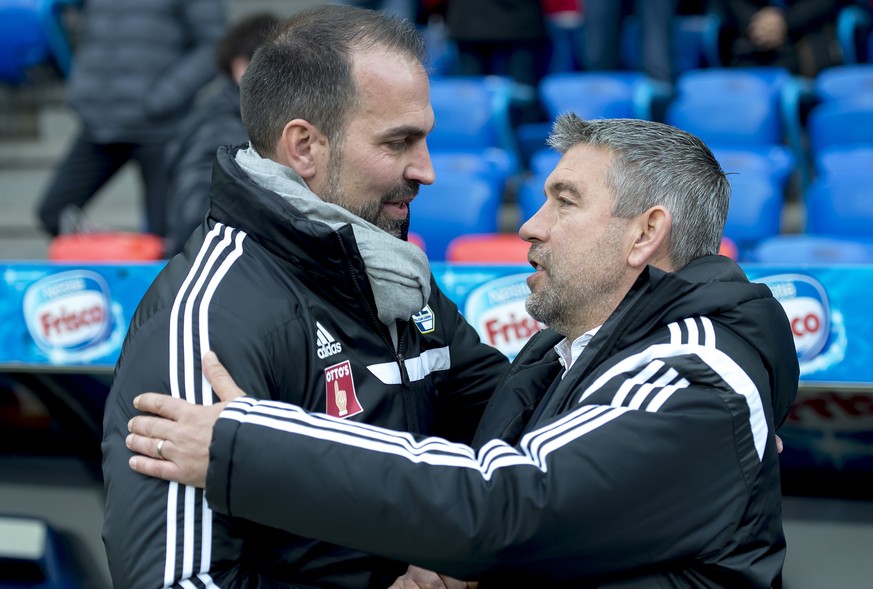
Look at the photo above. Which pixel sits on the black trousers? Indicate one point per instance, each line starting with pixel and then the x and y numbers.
pixel 88 166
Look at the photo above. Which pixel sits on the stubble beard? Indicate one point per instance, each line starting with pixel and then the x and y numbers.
pixel 548 304
pixel 577 299
pixel 372 212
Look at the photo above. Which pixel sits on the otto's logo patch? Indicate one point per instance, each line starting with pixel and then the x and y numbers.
pixel 69 311
pixel 327 345
pixel 496 310
pixel 806 304
pixel 425 320
pixel 340 396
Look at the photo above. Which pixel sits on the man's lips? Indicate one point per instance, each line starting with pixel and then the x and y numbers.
pixel 398 207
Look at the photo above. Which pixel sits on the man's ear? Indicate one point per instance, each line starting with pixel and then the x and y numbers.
pixel 652 236
pixel 304 148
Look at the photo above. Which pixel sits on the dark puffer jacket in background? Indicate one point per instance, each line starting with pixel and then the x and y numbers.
pixel 139 64
pixel 214 121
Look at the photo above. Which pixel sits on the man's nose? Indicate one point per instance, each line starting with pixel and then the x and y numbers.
pixel 420 168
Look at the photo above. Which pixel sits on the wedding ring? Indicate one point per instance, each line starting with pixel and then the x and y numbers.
pixel 160 448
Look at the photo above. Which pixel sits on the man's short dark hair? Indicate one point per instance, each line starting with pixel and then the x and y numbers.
pixel 304 71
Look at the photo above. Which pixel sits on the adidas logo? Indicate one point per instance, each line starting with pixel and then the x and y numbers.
pixel 327 346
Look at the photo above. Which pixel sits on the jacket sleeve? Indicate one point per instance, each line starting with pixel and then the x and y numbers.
pixel 204 21
pixel 160 534
pixel 600 489
pixel 476 371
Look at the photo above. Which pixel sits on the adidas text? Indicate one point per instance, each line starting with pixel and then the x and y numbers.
pixel 329 350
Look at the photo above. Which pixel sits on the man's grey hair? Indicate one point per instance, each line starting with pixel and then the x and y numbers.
pixel 656 164
pixel 304 71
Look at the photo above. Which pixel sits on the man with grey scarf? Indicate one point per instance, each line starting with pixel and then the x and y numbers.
pixel 301 279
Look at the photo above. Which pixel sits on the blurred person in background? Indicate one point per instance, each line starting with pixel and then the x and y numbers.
pixel 565 19
pixel 135 73
pixel 799 35
pixel 503 37
pixel 213 121
pixel 603 25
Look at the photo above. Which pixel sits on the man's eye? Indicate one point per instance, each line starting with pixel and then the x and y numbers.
pixel 398 145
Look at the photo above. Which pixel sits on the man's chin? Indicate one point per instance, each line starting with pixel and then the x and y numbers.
pixel 399 228
pixel 539 307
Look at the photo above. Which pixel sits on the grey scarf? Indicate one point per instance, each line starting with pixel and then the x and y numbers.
pixel 398 271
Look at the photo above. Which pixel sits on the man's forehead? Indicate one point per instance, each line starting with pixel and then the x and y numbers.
pixel 580 169
pixel 588 151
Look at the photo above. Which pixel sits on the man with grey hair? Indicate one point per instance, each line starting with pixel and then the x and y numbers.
pixel 302 279
pixel 631 445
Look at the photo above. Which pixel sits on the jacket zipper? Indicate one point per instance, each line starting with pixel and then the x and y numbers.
pixel 412 424
pixel 401 361
pixel 381 328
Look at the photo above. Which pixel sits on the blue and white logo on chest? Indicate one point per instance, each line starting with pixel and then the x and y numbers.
pixel 425 320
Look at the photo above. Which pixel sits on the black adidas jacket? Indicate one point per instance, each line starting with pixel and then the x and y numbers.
pixel 286 304
pixel 652 463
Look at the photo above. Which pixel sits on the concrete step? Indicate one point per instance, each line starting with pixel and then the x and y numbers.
pixel 54 129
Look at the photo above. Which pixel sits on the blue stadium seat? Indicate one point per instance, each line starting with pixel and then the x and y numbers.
pixel 23 41
pixel 844 81
pixel 31 34
pixel 772 161
pixel 837 84
pixel 749 109
pixel 839 119
pixel 472 125
pixel 840 206
pixel 755 210
pixel 811 249
pixel 840 123
pixel 455 205
pixel 472 112
pixel 492 164
pixel 593 95
pixel 730 106
pixel 840 133
pixel 839 160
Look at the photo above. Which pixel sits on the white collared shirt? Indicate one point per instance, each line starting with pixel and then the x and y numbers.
pixel 568 351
